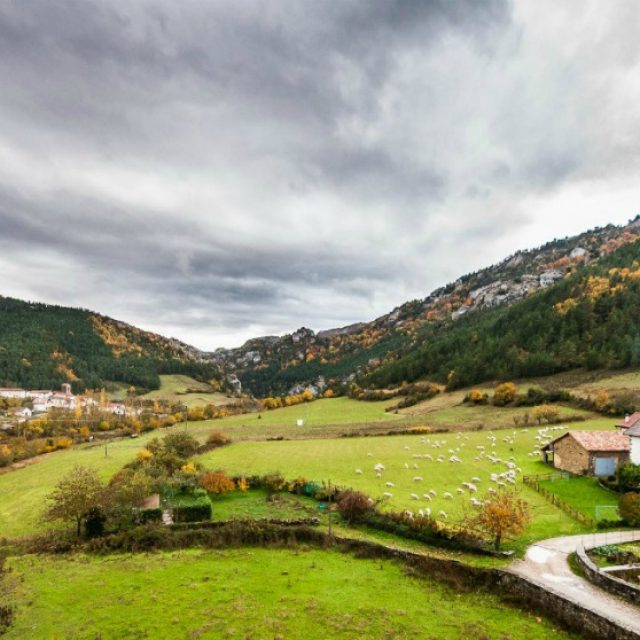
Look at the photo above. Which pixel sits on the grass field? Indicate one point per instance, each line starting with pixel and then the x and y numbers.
pixel 23 491
pixel 338 460
pixel 584 495
pixel 250 593
pixel 180 388
pixel 254 504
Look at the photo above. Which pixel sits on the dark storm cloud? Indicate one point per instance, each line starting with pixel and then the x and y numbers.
pixel 217 169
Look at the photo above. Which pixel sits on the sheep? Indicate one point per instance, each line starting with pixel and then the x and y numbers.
pixel 472 488
pixel 415 496
pixel 386 494
pixel 379 467
pixel 415 466
pixel 447 495
pixel 417 478
pixel 427 456
pixel 378 475
pixel 369 454
pixel 406 466
pixel 359 472
pixel 443 514
pixel 426 496
pixel 459 490
pixel 433 492
pixel 390 484
pixel 454 459
pixel 409 514
pixel 406 448
pixel 427 512
pixel 421 513
pixel 475 479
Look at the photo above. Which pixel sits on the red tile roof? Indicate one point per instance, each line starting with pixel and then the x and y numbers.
pixel 629 421
pixel 601 440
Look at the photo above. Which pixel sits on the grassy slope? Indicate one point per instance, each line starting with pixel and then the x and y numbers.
pixel 175 387
pixel 250 593
pixel 338 459
pixel 23 491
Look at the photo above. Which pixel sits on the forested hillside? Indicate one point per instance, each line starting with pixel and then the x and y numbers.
pixel 42 346
pixel 589 319
pixel 275 365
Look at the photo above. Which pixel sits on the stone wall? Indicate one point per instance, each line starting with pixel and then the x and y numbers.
pixel 605 580
pixel 568 455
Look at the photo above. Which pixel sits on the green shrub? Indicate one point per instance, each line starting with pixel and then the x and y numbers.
pixel 629 477
pixel 197 510
pixel 629 508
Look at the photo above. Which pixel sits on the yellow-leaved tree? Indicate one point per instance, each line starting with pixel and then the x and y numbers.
pixel 502 515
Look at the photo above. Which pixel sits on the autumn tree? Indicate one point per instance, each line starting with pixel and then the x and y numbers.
pixel 76 495
pixel 501 516
pixel 546 412
pixel 504 394
pixel 217 482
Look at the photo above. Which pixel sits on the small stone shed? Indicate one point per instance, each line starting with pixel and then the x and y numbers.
pixel 590 453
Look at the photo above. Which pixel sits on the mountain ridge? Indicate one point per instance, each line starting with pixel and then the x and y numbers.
pixel 103 349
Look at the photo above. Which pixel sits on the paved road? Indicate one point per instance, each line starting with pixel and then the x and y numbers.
pixel 545 564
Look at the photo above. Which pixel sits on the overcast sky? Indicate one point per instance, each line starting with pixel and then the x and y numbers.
pixel 217 170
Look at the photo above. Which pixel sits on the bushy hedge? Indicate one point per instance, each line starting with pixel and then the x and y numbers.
pixel 197 511
pixel 425 530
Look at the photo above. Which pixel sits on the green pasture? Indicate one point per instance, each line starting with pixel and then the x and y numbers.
pixel 250 593
pixel 584 495
pixel 339 460
pixel 186 390
pixel 23 491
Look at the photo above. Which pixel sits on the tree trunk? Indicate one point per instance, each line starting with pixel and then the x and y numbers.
pixel 497 541
pixel 79 526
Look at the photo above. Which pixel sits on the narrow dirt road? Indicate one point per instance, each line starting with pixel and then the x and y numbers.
pixel 545 564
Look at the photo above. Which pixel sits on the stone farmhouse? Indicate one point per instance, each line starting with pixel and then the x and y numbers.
pixel 593 453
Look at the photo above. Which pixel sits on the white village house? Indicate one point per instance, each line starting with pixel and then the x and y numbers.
pixel 20 394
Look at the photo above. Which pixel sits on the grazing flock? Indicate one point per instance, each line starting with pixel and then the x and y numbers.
pixel 442 458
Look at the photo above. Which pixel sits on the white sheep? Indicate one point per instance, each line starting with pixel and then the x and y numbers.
pixel 447 495
pixel 415 496
pixel 426 496
pixel 417 478
pixel 433 492
pixel 443 514
pixel 459 490
pixel 359 472
pixel 386 494
pixel 427 512
pixel 390 484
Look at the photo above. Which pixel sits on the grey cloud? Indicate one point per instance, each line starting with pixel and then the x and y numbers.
pixel 259 165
